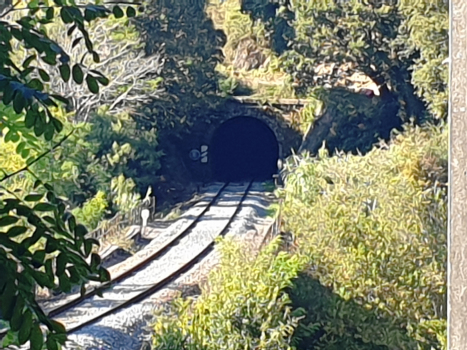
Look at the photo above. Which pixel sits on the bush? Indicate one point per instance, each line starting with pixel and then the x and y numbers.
pixel 375 229
pixel 91 213
pixel 243 305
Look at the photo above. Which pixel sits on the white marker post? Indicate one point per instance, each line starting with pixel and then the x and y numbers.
pixel 144 217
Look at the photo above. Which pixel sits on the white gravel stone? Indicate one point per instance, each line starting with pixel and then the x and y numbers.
pixel 127 328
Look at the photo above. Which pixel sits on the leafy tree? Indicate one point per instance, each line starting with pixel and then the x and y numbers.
pixel 40 241
pixel 400 45
pixel 123 78
pixel 191 49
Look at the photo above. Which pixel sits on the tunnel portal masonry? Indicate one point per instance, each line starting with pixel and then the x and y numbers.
pixel 238 142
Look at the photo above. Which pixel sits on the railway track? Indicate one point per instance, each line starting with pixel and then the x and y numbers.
pixel 159 266
pixel 134 264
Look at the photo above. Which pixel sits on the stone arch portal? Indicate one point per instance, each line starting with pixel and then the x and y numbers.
pixel 244 148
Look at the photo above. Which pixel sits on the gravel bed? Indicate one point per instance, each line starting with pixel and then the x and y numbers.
pixel 130 327
pixel 187 248
pixel 155 245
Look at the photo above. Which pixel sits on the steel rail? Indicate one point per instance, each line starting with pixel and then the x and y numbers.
pixel 161 251
pixel 166 246
pixel 160 284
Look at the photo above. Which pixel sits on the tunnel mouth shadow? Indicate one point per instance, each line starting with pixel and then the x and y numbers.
pixel 244 148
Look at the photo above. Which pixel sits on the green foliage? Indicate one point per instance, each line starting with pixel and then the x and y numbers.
pixel 243 305
pixel 123 193
pixel 36 232
pixel 399 45
pixel 190 46
pixel 308 114
pixel 375 228
pixel 92 211
pixel 424 33
pixel 351 122
pixel 248 57
pixel 228 86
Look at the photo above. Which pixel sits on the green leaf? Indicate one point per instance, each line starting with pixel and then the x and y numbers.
pixel 87 247
pixel 74 274
pixel 34 197
pixel 39 129
pixel 72 223
pixel 36 84
pixel 77 74
pixel 61 99
pixel 130 11
pixel 18 102
pixel 64 283
pixel 50 58
pixel 65 72
pixel 25 329
pixel 50 13
pixel 16 231
pixel 92 84
pixel 30 119
pixel 104 275
pixel 8 94
pixel 25 153
pixel 8 300
pixel 76 41
pixel 51 343
pixel 95 260
pixel 15 322
pixel 39 256
pixel 8 220
pixel 43 279
pixel 36 337
pixel 44 75
pixel 44 207
pixel 118 12
pixel 103 80
pixel 61 263
pixel 20 147
pixel 58 125
pixel 49 132
pixel 66 15
pixel 28 61
pixel 71 30
pixel 95 57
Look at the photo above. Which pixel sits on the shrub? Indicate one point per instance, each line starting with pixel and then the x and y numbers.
pixel 92 211
pixel 375 229
pixel 242 306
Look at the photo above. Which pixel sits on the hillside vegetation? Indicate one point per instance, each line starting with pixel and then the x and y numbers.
pixel 369 227
pixel 87 120
pixel 375 230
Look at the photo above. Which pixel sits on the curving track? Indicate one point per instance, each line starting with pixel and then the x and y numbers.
pixel 159 266
pixel 161 262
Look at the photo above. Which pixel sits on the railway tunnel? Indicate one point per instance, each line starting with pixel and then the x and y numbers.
pixel 244 148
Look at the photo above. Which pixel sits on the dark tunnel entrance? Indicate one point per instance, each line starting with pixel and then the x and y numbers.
pixel 244 148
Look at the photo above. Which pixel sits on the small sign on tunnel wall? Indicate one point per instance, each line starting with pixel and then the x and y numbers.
pixel 202 154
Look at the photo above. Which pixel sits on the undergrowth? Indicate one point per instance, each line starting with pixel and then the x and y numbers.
pixel 375 228
pixel 242 306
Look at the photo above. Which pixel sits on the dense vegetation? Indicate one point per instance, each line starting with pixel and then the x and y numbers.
pixel 368 229
pixel 61 176
pixel 242 307
pixel 375 230
pixel 85 119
